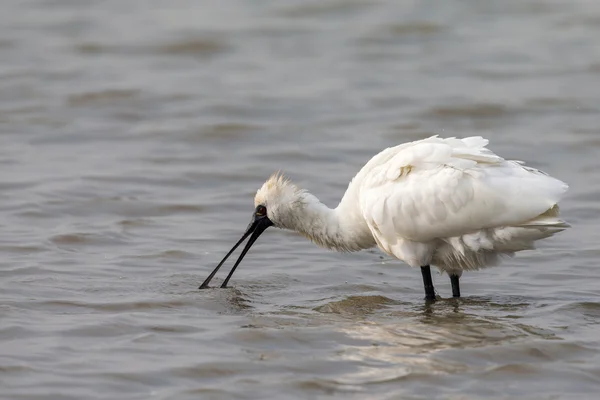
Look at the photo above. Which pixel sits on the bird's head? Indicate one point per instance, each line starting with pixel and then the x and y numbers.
pixel 280 200
pixel 276 204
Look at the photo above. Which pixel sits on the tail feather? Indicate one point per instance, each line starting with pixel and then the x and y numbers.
pixel 487 247
pixel 549 219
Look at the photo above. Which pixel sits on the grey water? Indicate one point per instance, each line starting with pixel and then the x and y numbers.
pixel 133 135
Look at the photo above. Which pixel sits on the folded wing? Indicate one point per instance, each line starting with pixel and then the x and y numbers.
pixel 439 188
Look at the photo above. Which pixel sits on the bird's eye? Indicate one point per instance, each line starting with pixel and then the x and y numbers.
pixel 261 211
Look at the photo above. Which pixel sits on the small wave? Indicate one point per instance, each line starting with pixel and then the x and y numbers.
pixel 225 131
pixel 479 110
pixel 195 46
pixel 414 28
pixel 198 47
pixel 102 96
pixel 115 306
pixel 357 305
pixel 71 239
pixel 22 249
pixel 167 254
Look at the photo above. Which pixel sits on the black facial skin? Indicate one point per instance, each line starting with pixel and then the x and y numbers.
pixel 257 226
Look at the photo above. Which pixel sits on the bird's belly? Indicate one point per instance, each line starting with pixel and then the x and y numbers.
pixel 415 254
pixel 472 251
pixel 442 253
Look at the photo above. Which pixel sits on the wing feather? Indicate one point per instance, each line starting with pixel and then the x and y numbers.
pixel 440 188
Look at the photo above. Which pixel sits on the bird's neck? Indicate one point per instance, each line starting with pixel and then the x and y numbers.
pixel 341 229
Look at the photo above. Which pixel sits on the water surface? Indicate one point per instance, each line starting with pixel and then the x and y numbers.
pixel 133 136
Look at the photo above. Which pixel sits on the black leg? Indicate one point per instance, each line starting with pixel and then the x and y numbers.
pixel 428 283
pixel 455 285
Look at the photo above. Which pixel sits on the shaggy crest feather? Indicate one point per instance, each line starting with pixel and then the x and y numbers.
pixel 278 186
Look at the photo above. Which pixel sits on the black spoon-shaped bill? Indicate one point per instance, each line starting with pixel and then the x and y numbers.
pixel 258 225
pixel 260 228
pixel 212 274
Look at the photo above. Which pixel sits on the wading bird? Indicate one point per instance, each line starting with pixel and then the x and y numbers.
pixel 450 203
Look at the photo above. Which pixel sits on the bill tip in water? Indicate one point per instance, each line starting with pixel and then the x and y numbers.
pixel 259 223
pixel 210 287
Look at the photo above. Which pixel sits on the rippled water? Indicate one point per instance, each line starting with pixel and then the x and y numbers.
pixel 134 134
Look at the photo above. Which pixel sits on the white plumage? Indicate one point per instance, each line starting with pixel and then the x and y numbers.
pixel 455 204
pixel 450 203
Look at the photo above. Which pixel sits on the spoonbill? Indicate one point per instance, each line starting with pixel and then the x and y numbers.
pixel 450 203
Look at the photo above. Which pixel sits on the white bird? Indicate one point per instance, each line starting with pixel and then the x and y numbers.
pixel 450 203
